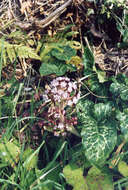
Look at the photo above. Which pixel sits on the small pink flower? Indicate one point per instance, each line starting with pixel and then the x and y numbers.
pixel 78 96
pixel 69 89
pixel 54 83
pixel 65 95
pixel 75 100
pixel 74 86
pixel 57 98
pixel 70 103
pixel 54 90
pixel 66 79
pixel 56 115
pixel 60 92
pixel 61 126
pixel 56 134
pixel 63 84
pixel 45 97
pixel 70 84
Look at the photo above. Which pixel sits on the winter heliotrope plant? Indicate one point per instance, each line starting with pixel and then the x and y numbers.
pixel 63 93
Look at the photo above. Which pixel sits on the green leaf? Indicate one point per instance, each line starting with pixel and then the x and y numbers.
pixel 12 51
pixel 123 118
pixel 9 153
pixel 123 168
pixel 119 89
pixel 115 88
pixel 99 135
pixel 102 111
pixel 26 52
pixel 88 61
pixel 53 176
pixel 49 68
pixel 98 140
pixel 97 179
pixel 74 177
pixel 101 75
pixel 32 162
pixel 84 110
pixel 64 54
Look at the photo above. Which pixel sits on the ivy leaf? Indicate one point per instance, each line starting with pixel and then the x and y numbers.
pixel 64 54
pixel 98 140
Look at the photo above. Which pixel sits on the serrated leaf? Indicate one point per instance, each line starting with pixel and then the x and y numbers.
pixel 26 52
pixel 11 52
pixel 64 54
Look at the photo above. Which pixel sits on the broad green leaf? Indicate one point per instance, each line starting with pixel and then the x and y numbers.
pixel 115 88
pixel 123 168
pixel 9 153
pixel 102 111
pixel 97 180
pixel 119 89
pixel 74 177
pixel 98 140
pixel 64 54
pixel 84 110
pixel 71 68
pixel 49 68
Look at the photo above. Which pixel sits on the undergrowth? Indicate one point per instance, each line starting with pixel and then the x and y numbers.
pixel 64 123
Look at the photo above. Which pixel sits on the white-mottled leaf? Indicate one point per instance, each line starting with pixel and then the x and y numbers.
pixel 98 140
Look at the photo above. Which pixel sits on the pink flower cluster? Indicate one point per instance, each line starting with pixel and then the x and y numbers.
pixel 62 92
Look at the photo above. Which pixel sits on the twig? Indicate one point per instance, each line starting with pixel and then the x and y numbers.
pixel 45 22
